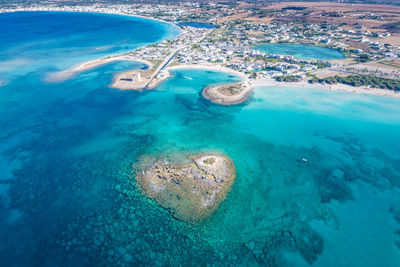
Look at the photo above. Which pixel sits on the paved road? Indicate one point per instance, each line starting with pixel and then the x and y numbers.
pixel 163 64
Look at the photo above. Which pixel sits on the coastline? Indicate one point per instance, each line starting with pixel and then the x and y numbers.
pixel 213 67
pixel 331 87
pixel 144 85
pixel 213 92
pixel 208 94
pixel 166 73
pixel 91 11
pixel 91 64
pixel 218 94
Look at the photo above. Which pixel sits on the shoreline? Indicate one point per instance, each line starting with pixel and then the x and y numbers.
pixel 93 12
pixel 212 92
pixel 94 63
pixel 117 84
pixel 212 67
pixel 91 64
pixel 167 74
pixel 328 87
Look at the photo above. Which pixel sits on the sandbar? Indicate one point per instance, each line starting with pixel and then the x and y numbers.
pixel 91 64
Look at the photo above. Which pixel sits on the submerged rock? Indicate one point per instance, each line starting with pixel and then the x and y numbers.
pixel 190 190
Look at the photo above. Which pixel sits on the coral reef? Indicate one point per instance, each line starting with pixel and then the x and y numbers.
pixel 191 190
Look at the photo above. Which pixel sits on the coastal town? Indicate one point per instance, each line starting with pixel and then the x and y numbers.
pixel 230 37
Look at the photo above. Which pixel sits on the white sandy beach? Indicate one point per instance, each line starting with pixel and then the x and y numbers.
pixel 167 74
pixel 88 65
pixel 303 84
pixel 333 87
pixel 64 75
pixel 212 92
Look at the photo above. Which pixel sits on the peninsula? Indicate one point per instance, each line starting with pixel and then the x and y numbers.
pixel 91 64
pixel 144 79
pixel 191 190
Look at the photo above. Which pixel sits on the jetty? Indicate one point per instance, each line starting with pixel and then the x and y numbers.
pixel 144 79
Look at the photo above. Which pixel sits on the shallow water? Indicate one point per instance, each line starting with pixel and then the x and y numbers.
pixel 58 40
pixel 68 193
pixel 301 51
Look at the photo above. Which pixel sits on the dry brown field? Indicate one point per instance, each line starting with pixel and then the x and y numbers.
pixel 395 64
pixel 322 12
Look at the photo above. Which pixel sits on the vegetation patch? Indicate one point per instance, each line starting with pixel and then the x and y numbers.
pixel 288 78
pixel 360 80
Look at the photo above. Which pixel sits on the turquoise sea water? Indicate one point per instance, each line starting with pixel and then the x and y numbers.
pixel 58 40
pixel 68 194
pixel 301 51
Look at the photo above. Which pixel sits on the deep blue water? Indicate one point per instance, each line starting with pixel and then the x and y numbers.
pixel 301 51
pixel 68 194
pixel 198 24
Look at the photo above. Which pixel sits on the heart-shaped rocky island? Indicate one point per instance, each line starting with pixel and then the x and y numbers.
pixel 190 190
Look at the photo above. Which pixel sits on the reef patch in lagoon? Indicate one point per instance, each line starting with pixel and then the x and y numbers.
pixel 190 190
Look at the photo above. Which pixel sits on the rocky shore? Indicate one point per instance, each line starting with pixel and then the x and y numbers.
pixel 227 94
pixel 191 190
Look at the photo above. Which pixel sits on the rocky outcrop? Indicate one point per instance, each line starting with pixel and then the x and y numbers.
pixel 227 94
pixel 190 190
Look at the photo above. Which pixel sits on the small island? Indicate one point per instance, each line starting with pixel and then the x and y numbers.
pixel 227 94
pixel 192 189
